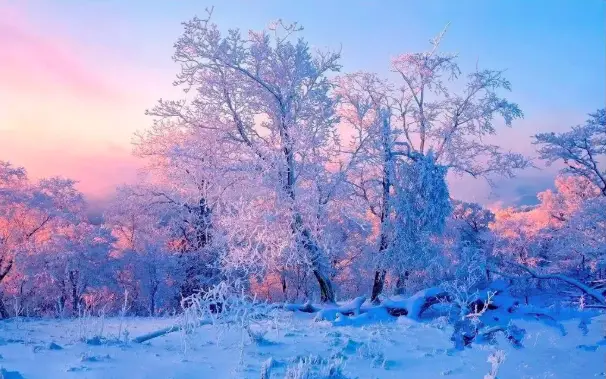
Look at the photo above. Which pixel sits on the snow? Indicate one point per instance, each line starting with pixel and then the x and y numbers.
pixel 401 348
pixel 414 304
pixel 332 313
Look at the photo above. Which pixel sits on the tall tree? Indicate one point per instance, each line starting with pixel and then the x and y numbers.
pixel 265 98
pixel 422 114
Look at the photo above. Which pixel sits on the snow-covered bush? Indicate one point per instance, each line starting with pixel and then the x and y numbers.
pixel 226 306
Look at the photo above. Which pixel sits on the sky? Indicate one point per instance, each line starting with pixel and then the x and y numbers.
pixel 77 75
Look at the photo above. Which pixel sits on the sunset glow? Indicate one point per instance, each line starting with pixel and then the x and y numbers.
pixel 69 105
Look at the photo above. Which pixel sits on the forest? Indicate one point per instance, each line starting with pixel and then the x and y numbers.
pixel 278 181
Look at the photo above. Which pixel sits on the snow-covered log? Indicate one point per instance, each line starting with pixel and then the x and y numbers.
pixel 412 306
pixel 495 296
pixel 305 308
pixel 353 308
pixel 415 305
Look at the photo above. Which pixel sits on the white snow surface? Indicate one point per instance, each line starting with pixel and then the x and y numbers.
pixel 55 348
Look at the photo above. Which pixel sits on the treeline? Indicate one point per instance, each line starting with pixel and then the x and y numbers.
pixel 276 171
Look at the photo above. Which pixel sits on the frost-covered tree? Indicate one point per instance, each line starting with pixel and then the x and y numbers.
pixel 265 99
pixel 148 269
pixel 585 239
pixel 582 149
pixel 72 265
pixel 421 205
pixel 13 184
pixel 472 220
pixel 190 181
pixel 562 235
pixel 421 113
pixel 572 226
pixel 30 215
pixel 468 241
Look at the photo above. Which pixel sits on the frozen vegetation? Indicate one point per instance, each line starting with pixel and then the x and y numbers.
pixel 283 344
pixel 295 221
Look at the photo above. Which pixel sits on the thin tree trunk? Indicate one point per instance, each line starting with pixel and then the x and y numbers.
pixel 3 312
pixel 74 283
pixel 379 278
pixel 170 329
pixel 401 283
pixel 62 298
pixel 152 300
pixel 283 282
pixel 327 293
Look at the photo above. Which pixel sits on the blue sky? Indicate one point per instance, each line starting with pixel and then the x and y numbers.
pixel 554 51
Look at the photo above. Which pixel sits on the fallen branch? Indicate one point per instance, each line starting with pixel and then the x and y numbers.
pixel 170 329
pixel 586 289
pixel 595 306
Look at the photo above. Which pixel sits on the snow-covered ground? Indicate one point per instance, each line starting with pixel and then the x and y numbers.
pixel 57 349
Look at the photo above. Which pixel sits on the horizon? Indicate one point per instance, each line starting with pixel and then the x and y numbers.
pixel 76 91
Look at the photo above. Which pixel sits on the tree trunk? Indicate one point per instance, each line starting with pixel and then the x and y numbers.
pixel 301 232
pixel 170 329
pixel 379 280
pixel 3 312
pixel 401 283
pixel 283 282
pixel 327 294
pixel 152 300
pixel 377 286
pixel 61 309
pixel 62 298
pixel 74 283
